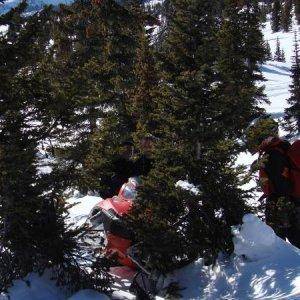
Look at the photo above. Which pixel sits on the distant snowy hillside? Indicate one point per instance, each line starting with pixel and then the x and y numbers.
pixel 276 73
pixel 35 5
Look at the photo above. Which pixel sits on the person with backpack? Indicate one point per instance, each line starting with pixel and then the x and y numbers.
pixel 279 176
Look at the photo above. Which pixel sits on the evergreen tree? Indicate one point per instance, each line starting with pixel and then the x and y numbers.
pixel 97 69
pixel 20 195
pixel 276 16
pixel 139 106
pixel 119 124
pixel 34 235
pixel 292 117
pixel 268 51
pixel 278 52
pixel 263 12
pixel 253 50
pixel 164 9
pixel 146 90
pixel 286 18
pixel 174 225
pixel 237 80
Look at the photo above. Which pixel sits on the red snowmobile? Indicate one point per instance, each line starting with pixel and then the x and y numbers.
pixel 115 241
pixel 106 216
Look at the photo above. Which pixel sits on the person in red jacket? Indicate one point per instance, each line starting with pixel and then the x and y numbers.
pixel 282 210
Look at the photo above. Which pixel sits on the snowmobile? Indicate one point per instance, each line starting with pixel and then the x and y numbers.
pixel 113 241
pixel 105 218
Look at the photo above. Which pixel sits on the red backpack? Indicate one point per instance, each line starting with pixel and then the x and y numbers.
pixel 294 156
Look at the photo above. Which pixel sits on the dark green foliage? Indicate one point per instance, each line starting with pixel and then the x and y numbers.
pixel 276 16
pixel 20 193
pixel 95 78
pixel 34 235
pixel 254 50
pixel 279 53
pixel 131 111
pixel 239 40
pixel 264 11
pixel 286 18
pixel 163 9
pixel 176 226
pixel 19 196
pixel 292 117
pixel 104 147
pixel 143 99
pixel 268 51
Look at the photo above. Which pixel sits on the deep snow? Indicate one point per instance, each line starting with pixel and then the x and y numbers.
pixel 262 267
pixel 35 287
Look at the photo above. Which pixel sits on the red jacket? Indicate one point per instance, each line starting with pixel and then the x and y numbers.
pixel 275 172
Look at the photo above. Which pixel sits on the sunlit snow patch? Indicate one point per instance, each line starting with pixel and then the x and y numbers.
pixel 185 185
pixel 254 239
pixel 81 207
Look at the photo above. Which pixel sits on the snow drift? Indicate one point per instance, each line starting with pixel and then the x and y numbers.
pixel 263 266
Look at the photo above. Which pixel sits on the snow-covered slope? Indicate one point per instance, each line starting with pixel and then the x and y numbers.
pixel 277 74
pixel 33 5
pixel 277 87
pixel 263 267
pixel 35 287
